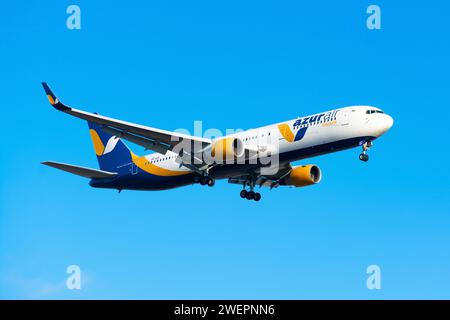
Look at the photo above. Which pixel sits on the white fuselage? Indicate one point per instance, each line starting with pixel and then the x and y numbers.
pixel 304 137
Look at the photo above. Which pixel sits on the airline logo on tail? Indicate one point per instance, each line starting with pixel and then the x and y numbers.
pixel 51 100
pixel 99 147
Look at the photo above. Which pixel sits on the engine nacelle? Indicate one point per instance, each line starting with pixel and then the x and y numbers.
pixel 302 176
pixel 227 149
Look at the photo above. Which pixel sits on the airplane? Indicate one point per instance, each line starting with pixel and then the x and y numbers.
pixel 242 157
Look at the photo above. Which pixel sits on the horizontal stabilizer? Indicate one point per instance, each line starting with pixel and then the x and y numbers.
pixel 81 171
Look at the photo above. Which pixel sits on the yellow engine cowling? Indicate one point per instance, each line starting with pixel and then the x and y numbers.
pixel 302 176
pixel 227 149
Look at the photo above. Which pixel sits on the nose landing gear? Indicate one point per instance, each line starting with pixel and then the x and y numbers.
pixel 365 147
pixel 364 157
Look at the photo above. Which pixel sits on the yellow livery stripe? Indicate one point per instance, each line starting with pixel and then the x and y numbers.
pixel 145 165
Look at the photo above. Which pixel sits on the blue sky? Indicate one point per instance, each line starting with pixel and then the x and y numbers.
pixel 231 64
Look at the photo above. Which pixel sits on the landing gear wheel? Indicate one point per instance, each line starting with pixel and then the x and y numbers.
pixel 207 181
pixel 243 194
pixel 196 179
pixel 364 157
pixel 250 195
pixel 210 182
pixel 257 196
pixel 365 147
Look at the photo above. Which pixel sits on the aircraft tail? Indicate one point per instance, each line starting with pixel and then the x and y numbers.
pixel 111 152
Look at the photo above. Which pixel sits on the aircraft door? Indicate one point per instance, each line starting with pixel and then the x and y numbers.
pixel 343 117
pixel 133 169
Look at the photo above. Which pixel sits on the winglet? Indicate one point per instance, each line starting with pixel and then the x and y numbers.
pixel 54 101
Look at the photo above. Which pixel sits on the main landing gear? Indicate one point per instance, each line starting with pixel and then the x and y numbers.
pixel 250 195
pixel 205 180
pixel 365 147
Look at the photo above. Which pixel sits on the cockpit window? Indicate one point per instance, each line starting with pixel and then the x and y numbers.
pixel 374 111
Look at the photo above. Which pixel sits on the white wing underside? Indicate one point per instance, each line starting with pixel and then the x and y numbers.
pixel 271 181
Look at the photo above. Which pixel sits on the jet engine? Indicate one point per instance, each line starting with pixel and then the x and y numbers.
pixel 302 176
pixel 227 149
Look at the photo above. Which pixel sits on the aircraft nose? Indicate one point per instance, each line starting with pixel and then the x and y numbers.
pixel 386 122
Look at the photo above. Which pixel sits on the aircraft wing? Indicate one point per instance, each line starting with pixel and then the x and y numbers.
pixel 150 138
